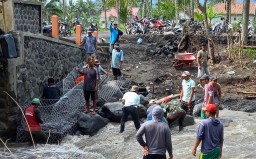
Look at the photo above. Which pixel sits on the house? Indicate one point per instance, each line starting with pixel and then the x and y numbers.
pixel 236 12
pixel 111 14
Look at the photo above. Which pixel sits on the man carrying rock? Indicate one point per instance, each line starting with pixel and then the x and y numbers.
pixel 117 61
pixel 208 94
pixel 90 43
pixel 33 117
pixel 91 80
pixel 157 135
pixel 202 60
pixel 187 94
pixel 130 100
pixel 211 133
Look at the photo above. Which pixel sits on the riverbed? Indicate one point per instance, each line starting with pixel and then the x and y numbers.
pixel 239 142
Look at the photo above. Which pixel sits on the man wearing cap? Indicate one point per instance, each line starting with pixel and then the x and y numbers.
pixel 100 69
pixel 51 91
pixel 157 135
pixel 130 100
pixel 117 61
pixel 90 43
pixel 33 117
pixel 202 60
pixel 114 35
pixel 187 94
pixel 208 93
pixel 210 133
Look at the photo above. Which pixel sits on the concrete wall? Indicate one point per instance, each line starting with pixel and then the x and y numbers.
pixel 24 77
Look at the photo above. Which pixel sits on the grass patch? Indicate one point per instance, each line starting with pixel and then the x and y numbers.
pixel 250 53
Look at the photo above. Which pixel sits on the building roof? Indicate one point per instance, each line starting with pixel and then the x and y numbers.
pixel 113 12
pixel 236 8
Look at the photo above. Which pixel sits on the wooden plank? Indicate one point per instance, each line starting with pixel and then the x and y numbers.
pixel 173 96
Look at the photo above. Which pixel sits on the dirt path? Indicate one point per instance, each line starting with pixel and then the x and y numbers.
pixel 142 67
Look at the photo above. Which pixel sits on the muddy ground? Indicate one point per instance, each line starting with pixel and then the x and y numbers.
pixel 157 71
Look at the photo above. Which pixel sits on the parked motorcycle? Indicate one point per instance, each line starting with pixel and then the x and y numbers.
pixel 151 25
pixel 47 29
pixel 64 29
pixel 75 23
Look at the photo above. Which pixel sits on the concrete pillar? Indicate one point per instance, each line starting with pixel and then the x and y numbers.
pixel 55 26
pixel 78 34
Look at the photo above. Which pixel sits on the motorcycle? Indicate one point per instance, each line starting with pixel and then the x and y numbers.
pixel 47 29
pixel 64 29
pixel 75 23
pixel 153 25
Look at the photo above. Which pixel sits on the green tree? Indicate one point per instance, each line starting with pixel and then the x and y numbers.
pixel 166 10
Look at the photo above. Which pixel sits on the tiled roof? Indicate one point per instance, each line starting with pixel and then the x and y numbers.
pixel 236 8
pixel 113 12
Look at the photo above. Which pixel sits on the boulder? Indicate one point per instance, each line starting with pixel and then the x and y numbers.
pixel 90 124
pixel 189 120
pixel 197 109
pixel 113 111
pixel 143 100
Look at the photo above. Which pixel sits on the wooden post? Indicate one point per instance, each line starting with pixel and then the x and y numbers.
pixel 55 26
pixel 78 34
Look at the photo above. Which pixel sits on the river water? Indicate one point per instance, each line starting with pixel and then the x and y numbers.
pixel 239 142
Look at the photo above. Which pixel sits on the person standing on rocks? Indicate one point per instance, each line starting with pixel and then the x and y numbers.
pixel 217 94
pixel 90 43
pixel 211 133
pixel 130 100
pixel 91 80
pixel 33 117
pixel 187 94
pixel 157 135
pixel 101 71
pixel 117 61
pixel 208 94
pixel 115 33
pixel 202 60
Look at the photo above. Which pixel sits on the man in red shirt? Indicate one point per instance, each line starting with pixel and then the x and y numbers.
pixel 33 117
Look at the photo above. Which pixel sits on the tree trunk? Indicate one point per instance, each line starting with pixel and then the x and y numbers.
pixel 245 21
pixel 105 14
pixel 192 8
pixel 151 7
pixel 143 8
pixel 228 12
pixel 118 10
pixel 158 5
pixel 176 10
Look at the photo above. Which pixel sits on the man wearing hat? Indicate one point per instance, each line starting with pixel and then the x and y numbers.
pixel 116 61
pixel 208 93
pixel 187 94
pixel 210 133
pixel 114 35
pixel 90 43
pixel 130 100
pixel 33 117
pixel 100 69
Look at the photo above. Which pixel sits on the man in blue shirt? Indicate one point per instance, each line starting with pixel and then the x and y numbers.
pixel 117 60
pixel 90 43
pixel 114 35
pixel 210 133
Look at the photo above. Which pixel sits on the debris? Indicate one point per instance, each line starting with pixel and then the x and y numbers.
pixel 231 72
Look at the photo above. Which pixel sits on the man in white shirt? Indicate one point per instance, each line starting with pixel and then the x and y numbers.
pixel 130 101
pixel 187 95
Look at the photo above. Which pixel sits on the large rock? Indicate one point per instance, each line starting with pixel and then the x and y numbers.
pixel 197 109
pixel 189 120
pixel 90 124
pixel 143 100
pixel 113 111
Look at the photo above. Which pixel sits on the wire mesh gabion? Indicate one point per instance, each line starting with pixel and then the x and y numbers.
pixel 60 115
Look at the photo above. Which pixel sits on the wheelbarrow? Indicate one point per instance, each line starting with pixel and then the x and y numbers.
pixel 184 61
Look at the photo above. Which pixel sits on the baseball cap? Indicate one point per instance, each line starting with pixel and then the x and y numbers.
pixel 213 78
pixel 116 45
pixel 90 30
pixel 97 61
pixel 204 77
pixel 211 108
pixel 35 101
pixel 185 73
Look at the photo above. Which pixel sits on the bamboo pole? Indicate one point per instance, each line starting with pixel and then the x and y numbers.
pixel 4 16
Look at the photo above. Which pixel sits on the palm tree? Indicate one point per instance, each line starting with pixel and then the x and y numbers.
pixel 176 4
pixel 118 10
pixel 105 13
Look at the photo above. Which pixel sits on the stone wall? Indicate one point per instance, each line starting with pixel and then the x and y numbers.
pixel 27 17
pixel 24 77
